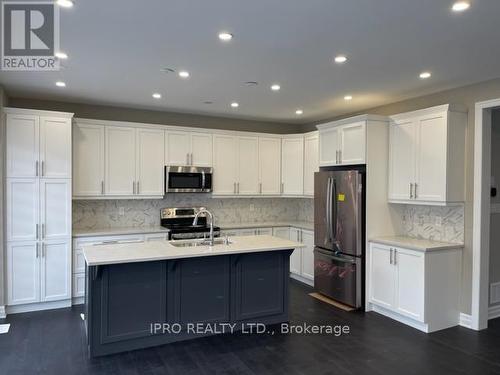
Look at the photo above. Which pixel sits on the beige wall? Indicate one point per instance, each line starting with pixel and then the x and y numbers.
pixel 468 96
pixel 495 219
pixel 102 112
pixel 3 102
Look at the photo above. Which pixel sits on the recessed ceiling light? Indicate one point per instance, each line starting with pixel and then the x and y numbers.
pixel 183 74
pixel 299 112
pixel 425 75
pixel 348 97
pixel 225 36
pixel 460 6
pixel 65 3
pixel 251 83
pixel 157 95
pixel 235 105
pixel 340 59
pixel 208 102
pixel 60 84
pixel 61 55
pixel 275 87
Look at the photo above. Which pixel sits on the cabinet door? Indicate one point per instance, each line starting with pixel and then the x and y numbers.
pixel 353 143
pixel 296 257
pixel 248 165
pixel 258 285
pixel 431 158
pixel 201 149
pixel 150 164
pixel 178 148
pixel 22 146
pixel 382 276
pixel 282 233
pixel 410 283
pixel 307 266
pixel 88 160
pixel 22 209
pixel 270 165
pixel 311 162
pixel 23 272
pixel 78 285
pixel 402 159
pixel 120 160
pixel 292 166
pixel 55 270
pixel 55 147
pixel 328 146
pixel 225 163
pixel 204 290
pixel 55 208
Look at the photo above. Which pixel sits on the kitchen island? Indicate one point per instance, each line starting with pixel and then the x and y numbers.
pixel 134 289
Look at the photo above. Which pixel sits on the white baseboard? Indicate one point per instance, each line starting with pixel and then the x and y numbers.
pixel 3 314
pixel 494 312
pixel 78 300
pixel 16 309
pixel 465 320
pixel 402 319
pixel 302 279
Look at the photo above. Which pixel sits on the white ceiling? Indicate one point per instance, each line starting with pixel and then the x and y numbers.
pixel 116 49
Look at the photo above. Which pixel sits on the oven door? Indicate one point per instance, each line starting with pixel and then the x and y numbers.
pixel 338 276
pixel 180 179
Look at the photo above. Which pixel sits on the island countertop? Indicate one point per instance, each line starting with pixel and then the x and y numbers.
pixel 164 250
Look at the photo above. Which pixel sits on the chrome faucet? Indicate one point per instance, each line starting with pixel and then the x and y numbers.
pixel 211 223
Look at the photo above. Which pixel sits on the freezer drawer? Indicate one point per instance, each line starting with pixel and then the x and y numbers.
pixel 338 277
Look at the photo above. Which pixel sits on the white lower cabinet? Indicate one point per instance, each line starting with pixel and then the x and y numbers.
pixel 302 260
pixel 418 288
pixel 38 271
pixel 78 285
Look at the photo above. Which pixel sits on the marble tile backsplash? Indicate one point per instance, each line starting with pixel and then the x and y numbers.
pixel 434 223
pixel 92 214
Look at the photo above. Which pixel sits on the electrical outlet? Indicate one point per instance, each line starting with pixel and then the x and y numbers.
pixel 438 221
pixel 252 207
pixel 121 211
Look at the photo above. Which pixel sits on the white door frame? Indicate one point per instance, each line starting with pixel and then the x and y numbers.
pixel 481 213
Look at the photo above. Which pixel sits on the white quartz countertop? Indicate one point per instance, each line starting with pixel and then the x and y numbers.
pixel 164 250
pixel 416 243
pixel 96 232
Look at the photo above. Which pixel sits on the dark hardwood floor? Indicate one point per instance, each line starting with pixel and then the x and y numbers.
pixel 53 342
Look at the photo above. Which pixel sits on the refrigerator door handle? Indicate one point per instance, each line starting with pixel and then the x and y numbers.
pixel 328 225
pixel 333 203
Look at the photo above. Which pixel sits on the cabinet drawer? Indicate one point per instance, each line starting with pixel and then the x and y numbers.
pixel 78 285
pixel 156 237
pixel 105 240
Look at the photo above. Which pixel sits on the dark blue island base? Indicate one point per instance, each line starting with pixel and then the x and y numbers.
pixel 126 303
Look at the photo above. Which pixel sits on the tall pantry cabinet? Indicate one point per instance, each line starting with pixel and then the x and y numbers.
pixel 38 209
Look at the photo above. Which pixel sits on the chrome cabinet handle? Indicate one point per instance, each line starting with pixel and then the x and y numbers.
pixel 43 168
pixel 133 187
pixel 411 191
pixel 260 188
pixel 36 168
pixel 415 190
pixel 43 231
pixel 395 261
pixel 102 187
pixel 137 189
pixel 282 187
pixel 43 250
pixel 191 158
pixel 238 188
pixel 336 156
pixel 37 249
pixel 340 156
pixel 390 257
pixel 36 231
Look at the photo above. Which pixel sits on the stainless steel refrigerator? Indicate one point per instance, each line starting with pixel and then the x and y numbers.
pixel 339 226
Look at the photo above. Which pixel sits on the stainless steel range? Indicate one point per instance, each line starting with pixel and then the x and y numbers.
pixel 179 221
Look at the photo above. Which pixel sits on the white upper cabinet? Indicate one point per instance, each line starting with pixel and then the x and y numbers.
pixel 55 209
pixel 22 209
pixel 311 161
pixel 88 159
pixel 426 159
pixel 188 148
pixel 55 147
pixel 120 161
pixel 225 164
pixel 178 148
pixel 22 159
pixel 150 162
pixel 201 149
pixel 248 166
pixel 343 142
pixel 270 166
pixel 292 165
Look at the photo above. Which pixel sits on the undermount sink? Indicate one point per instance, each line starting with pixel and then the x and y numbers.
pixel 204 242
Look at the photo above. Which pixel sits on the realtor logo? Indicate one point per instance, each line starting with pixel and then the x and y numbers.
pixel 30 35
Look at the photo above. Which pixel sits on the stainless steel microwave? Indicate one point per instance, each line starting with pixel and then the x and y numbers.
pixel 186 179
